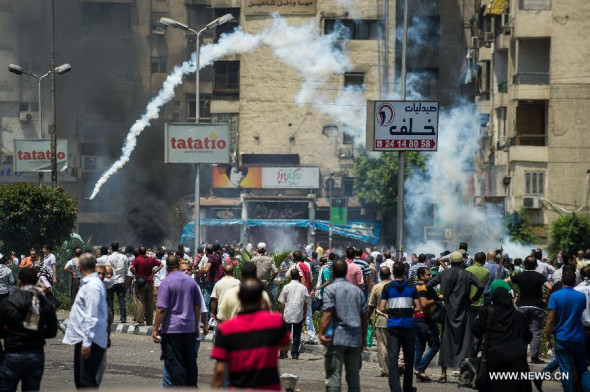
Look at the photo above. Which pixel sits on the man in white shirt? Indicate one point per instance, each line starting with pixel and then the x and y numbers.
pixel 227 282
pixel 584 288
pixel 71 267
pixel 102 256
pixel 50 262
pixel 388 260
pixel 118 262
pixel 293 300
pixel 543 268
pixel 87 328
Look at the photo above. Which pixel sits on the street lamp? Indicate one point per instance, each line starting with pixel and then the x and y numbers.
pixel 177 25
pixel 18 70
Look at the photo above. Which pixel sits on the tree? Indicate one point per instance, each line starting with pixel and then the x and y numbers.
pixel 376 178
pixel 519 228
pixel 32 216
pixel 569 233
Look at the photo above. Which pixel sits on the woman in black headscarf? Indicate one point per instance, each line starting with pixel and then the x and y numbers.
pixel 509 336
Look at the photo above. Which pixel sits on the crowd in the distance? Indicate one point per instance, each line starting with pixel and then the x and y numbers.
pixel 412 307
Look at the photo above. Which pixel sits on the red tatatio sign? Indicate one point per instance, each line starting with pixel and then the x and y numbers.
pixel 34 155
pixel 402 125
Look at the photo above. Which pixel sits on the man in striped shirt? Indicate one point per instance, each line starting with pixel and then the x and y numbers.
pixel 398 300
pixel 248 345
pixel 358 260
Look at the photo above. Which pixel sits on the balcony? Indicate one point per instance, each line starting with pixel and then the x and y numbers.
pixel 529 140
pixel 530 78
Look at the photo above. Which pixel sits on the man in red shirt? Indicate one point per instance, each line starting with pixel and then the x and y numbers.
pixel 248 345
pixel 142 267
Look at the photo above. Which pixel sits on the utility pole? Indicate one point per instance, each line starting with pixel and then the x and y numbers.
pixel 53 133
pixel 402 154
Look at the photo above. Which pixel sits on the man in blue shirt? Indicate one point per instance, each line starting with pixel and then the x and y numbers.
pixel 398 300
pixel 342 330
pixel 492 266
pixel 565 314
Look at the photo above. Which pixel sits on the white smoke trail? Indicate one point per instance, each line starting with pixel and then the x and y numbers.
pixel 152 112
pixel 238 42
pixel 302 48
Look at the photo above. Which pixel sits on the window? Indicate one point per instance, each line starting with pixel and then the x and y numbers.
pixel 534 183
pixel 531 123
pixel 204 106
pixel 424 29
pixel 534 5
pixel 28 106
pixel 227 76
pixel 423 80
pixel 347 138
pixel 355 29
pixel 354 79
pixel 230 26
pixel 159 65
pixel 501 116
pixel 348 185
pixel 533 61
pixel 156 16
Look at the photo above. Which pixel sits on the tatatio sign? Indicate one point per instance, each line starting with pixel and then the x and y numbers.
pixel 283 7
pixel 266 177
pixel 34 155
pixel 197 143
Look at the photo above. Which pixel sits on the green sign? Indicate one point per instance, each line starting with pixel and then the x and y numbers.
pixel 338 211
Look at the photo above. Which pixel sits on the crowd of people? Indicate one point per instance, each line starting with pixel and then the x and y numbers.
pixel 414 306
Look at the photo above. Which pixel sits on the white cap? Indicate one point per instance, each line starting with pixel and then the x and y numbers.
pixel 261 246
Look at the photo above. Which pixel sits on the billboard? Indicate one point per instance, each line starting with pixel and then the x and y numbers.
pixel 266 177
pixel 34 155
pixel 402 125
pixel 196 143
pixel 283 7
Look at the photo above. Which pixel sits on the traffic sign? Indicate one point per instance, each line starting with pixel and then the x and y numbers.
pixel 402 125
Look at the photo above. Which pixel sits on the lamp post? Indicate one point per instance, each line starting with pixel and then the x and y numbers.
pixel 18 70
pixel 330 183
pixel 177 25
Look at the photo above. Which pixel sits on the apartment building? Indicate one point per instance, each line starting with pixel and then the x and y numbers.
pixel 534 93
pixel 121 54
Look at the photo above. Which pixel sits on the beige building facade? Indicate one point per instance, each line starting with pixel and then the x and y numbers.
pixel 534 85
pixel 121 55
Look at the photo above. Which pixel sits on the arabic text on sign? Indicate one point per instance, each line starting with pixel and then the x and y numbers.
pixel 405 143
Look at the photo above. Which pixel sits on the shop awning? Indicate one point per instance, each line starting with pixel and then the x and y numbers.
pixel 366 231
pixel 497 7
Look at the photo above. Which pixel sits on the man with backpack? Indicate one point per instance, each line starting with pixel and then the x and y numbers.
pixel 214 271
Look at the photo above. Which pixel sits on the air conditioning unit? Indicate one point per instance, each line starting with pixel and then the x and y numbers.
pixel 26 116
pixel 506 21
pixel 489 38
pixel 475 42
pixel 530 203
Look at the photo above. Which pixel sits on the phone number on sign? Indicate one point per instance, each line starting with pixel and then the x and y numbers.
pixel 407 143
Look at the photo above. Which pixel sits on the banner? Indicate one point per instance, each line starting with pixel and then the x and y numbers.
pixel 266 177
pixel 196 143
pixel 283 7
pixel 9 176
pixel 34 155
